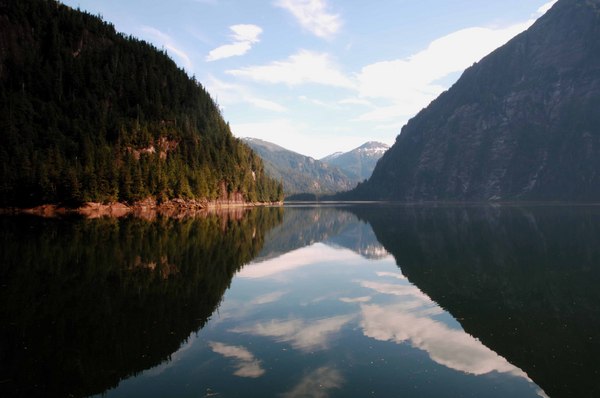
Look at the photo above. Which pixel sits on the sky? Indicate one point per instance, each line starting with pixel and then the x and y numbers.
pixel 321 76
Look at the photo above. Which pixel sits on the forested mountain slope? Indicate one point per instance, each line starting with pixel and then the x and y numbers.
pixel 300 174
pixel 87 114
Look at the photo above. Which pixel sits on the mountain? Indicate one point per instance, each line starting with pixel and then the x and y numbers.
pixel 300 174
pixel 359 162
pixel 521 124
pixel 88 114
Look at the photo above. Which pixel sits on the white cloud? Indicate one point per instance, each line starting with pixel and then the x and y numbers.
pixel 302 335
pixel 411 83
pixel 267 298
pixel 309 256
pixel 298 136
pixel 301 68
pixel 164 40
pixel 395 289
pixel 313 16
pixel 265 104
pixel 246 32
pixel 228 50
pixel 317 383
pixel 318 102
pixel 396 275
pixel 452 348
pixel 355 101
pixel 245 363
pixel 363 299
pixel 545 7
pixel 227 94
pixel 244 36
pixel 410 319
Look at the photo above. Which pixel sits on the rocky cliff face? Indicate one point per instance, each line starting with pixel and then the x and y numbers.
pixel 522 124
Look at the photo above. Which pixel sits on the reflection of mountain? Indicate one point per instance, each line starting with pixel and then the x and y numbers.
pixel 523 281
pixel 304 226
pixel 87 303
pixel 359 237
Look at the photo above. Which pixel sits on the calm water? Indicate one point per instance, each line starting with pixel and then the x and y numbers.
pixel 347 301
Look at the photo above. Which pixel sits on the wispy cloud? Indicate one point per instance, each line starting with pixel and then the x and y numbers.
pixel 363 299
pixel 319 103
pixel 317 383
pixel 291 261
pixel 452 348
pixel 409 84
pixel 243 38
pixel 545 7
pixel 302 335
pixel 313 15
pixel 245 363
pixel 229 93
pixel 162 39
pixel 410 319
pixel 301 68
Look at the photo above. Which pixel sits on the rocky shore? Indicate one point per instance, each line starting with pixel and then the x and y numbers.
pixel 148 208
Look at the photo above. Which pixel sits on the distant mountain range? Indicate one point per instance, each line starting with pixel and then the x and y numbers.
pixel 358 163
pixel 521 124
pixel 302 174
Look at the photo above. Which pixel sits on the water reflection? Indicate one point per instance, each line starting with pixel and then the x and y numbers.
pixel 524 281
pixel 304 226
pixel 87 303
pixel 317 384
pixel 352 302
pixel 304 335
pixel 245 363
pixel 350 294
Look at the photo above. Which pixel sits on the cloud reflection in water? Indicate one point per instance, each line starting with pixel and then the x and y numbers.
pixel 410 320
pixel 245 363
pixel 317 383
pixel 302 335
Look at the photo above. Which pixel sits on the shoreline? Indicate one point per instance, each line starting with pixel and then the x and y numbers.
pixel 148 208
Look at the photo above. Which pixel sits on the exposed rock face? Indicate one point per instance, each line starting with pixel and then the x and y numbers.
pixel 522 124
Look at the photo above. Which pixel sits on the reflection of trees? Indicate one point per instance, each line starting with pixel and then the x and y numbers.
pixel 87 303
pixel 523 281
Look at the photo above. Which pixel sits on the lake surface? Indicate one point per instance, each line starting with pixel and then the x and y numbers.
pixel 305 301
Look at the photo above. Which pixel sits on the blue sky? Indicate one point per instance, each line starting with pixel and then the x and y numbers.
pixel 321 76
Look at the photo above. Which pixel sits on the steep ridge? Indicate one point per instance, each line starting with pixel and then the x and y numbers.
pixel 89 115
pixel 521 124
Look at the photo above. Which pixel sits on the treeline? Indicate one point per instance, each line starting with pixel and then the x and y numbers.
pixel 87 114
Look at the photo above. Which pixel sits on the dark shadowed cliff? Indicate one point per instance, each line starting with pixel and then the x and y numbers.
pixel 522 124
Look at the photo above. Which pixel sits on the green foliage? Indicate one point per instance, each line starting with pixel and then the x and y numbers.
pixel 87 114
